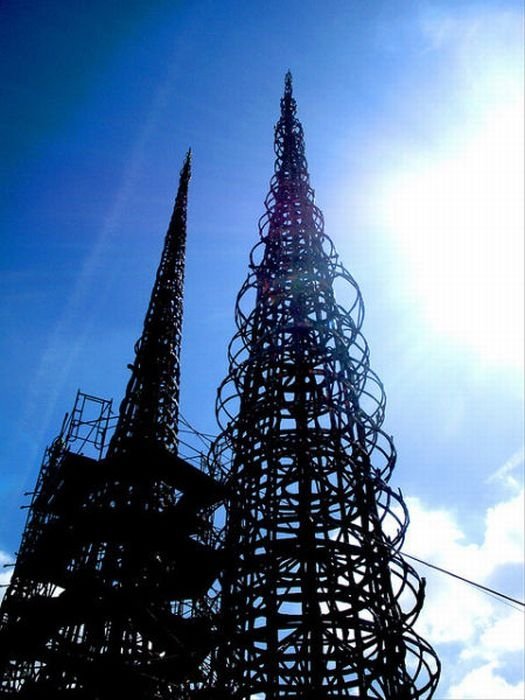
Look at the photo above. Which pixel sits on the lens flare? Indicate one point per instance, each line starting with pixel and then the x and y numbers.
pixel 457 221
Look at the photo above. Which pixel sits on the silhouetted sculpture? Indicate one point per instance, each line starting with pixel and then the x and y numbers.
pixel 109 593
pixel 317 600
pixel 115 547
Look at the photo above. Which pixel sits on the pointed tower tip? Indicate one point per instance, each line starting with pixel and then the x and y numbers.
pixel 186 166
pixel 288 83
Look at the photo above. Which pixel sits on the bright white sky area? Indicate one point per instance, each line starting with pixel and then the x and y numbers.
pixel 413 117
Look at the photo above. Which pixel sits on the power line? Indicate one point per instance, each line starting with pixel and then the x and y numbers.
pixel 486 589
pixel 207 439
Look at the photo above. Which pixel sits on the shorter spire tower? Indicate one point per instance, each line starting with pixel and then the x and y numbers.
pixel 150 409
pixel 114 547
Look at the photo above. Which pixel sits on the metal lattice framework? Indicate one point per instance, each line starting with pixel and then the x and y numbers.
pixel 151 404
pixel 119 547
pixel 317 599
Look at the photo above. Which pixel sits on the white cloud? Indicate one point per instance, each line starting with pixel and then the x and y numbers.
pixel 484 683
pixel 476 636
pixel 505 635
pixel 504 533
pixel 437 536
pixel 5 573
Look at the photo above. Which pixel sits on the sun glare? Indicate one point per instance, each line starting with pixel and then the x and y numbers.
pixel 457 220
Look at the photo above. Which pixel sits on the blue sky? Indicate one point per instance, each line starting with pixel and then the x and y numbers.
pixel 412 115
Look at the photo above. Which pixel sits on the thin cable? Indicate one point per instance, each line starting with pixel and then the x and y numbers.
pixel 503 602
pixel 466 580
pixel 206 439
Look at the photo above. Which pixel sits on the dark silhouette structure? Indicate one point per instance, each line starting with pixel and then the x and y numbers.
pixel 117 547
pixel 110 592
pixel 317 600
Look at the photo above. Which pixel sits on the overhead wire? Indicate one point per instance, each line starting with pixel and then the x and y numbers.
pixel 485 589
pixel 207 439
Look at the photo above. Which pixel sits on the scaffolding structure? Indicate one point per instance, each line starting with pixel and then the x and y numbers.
pixel 317 600
pixel 108 595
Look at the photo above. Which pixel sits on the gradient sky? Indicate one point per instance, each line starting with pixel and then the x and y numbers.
pixel 413 122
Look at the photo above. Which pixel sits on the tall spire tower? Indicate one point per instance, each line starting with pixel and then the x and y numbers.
pixel 114 547
pixel 317 599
